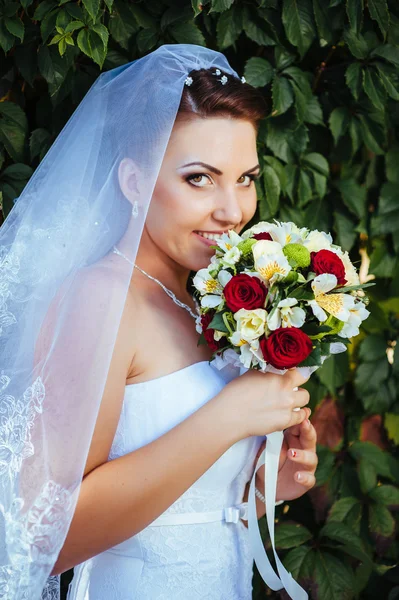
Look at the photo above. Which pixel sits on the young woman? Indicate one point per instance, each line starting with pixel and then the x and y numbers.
pixel 160 513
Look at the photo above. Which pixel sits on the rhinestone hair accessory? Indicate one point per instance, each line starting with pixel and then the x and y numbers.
pixel 223 80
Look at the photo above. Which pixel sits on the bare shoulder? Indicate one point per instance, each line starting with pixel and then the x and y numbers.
pixel 86 300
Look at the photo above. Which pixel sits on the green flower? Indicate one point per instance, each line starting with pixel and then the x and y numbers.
pixel 245 247
pixel 298 253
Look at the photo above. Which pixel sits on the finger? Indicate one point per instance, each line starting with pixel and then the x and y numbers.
pixel 296 377
pixel 296 430
pixel 297 417
pixel 306 458
pixel 308 435
pixel 301 398
pixel 306 479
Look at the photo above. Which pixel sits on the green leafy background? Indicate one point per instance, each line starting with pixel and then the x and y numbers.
pixel 329 150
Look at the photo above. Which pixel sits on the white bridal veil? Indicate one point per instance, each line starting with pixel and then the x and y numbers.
pixel 61 300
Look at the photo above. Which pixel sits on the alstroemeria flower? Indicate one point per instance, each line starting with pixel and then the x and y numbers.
pixel 231 257
pixel 286 315
pixel 270 262
pixel 338 305
pixel 357 314
pixel 210 288
pixel 251 355
pixel 250 325
pixel 351 276
pixel 228 241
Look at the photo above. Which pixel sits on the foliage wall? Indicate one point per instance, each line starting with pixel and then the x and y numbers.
pixel 330 156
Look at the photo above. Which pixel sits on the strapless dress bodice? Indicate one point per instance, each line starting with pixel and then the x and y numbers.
pixel 199 547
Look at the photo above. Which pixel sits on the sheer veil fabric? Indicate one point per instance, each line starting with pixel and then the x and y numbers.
pixel 62 294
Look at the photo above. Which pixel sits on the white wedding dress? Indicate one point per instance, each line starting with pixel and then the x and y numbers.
pixel 199 547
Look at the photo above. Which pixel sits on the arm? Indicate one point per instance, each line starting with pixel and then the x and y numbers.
pixel 121 497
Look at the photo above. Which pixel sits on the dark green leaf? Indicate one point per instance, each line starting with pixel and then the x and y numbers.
pixel 354 196
pixel 272 188
pixel 317 162
pixel 253 27
pixel 341 532
pixel 218 323
pixel 391 165
pixel 345 229
pixel 229 28
pixel 373 87
pixel 334 578
pixel 381 521
pixel 122 24
pixel 339 121
pixel 372 348
pixel 367 475
pixel 291 535
pixel 313 113
pixel 220 5
pixel 353 78
pixel 374 455
pixel 146 39
pixel 299 562
pixel 356 44
pixel 39 143
pixel 283 95
pixel 314 358
pixel 258 72
pixel 342 508
pixel 187 33
pixel 354 9
pixel 305 192
pixel 334 372
pixel 298 23
pixel 388 52
pixel 323 21
pixel 13 129
pixel 378 10
pixel 15 26
pixel 325 465
pixel 386 494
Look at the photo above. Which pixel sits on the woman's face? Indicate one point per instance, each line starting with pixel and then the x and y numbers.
pixel 204 188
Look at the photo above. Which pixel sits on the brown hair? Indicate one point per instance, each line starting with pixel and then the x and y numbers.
pixel 208 97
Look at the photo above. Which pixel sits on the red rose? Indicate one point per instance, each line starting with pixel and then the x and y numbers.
pixel 286 347
pixel 244 291
pixel 262 236
pixel 325 261
pixel 208 333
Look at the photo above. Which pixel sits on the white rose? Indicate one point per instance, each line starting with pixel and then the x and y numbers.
pixel 318 240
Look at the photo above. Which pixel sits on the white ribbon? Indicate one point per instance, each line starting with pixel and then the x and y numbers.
pixel 270 458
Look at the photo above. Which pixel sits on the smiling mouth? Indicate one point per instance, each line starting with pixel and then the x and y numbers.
pixel 210 236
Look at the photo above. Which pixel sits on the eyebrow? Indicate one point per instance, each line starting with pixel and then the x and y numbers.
pixel 215 170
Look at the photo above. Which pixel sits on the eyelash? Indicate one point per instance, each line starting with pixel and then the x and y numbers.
pixel 193 175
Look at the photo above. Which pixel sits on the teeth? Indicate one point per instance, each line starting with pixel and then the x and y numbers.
pixel 210 236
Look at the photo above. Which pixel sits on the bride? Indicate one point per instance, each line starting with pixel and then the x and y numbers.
pixel 160 513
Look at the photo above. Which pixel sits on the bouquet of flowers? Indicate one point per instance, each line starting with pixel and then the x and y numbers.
pixel 278 297
pixel 274 298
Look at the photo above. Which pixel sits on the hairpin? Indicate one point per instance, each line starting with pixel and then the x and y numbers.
pixel 188 80
pixel 223 80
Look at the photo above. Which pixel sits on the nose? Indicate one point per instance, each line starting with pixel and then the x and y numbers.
pixel 228 210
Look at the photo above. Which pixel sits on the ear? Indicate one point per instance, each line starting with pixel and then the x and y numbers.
pixel 128 175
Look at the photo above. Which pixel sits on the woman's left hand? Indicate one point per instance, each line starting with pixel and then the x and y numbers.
pixel 296 472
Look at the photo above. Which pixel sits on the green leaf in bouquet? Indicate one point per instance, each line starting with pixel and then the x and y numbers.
pixel 313 330
pixel 201 340
pixel 218 323
pixel 314 358
pixel 302 293
pixel 351 288
pixel 291 535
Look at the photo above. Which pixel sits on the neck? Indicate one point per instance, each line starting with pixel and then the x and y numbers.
pixel 155 262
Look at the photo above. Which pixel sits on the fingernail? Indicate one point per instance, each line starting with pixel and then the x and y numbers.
pixel 307 422
pixel 298 476
pixel 293 453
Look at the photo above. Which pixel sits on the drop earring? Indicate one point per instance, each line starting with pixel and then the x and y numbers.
pixel 135 209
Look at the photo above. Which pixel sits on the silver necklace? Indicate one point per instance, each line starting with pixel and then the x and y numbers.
pixel 168 291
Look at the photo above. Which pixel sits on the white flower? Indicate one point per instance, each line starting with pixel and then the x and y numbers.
pixel 283 233
pixel 250 325
pixel 270 261
pixel 210 288
pixel 251 355
pixel 351 276
pixel 357 314
pixel 338 305
pixel 317 240
pixel 229 240
pixel 231 257
pixel 286 316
